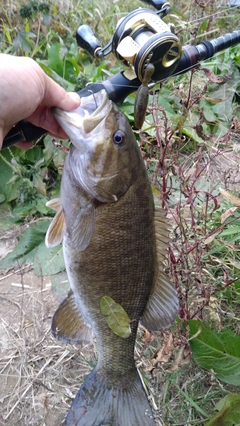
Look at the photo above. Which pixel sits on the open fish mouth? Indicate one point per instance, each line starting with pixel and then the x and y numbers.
pixel 86 121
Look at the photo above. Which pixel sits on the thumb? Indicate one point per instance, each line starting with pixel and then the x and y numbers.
pixel 55 95
pixel 70 101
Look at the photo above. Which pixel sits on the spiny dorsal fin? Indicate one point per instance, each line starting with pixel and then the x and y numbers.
pixel 162 307
pixel 68 324
pixel 54 204
pixel 56 230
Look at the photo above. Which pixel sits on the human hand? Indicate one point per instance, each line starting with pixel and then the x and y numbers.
pixel 26 92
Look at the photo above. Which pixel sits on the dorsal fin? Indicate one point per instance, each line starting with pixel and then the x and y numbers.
pixel 162 307
pixel 56 230
pixel 68 324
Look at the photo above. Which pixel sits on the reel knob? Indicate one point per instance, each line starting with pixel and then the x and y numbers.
pixel 87 40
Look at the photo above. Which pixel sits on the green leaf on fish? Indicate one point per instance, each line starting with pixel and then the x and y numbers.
pixel 116 317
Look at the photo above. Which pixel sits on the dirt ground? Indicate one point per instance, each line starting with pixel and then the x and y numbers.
pixel 39 375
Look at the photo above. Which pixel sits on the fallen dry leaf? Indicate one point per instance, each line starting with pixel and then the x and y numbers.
pixel 147 335
pixel 227 214
pixel 183 357
pixel 234 200
pixel 164 354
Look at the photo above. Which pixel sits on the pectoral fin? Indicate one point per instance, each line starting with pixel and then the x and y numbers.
pixel 83 227
pixel 54 204
pixel 56 230
pixel 68 324
pixel 162 307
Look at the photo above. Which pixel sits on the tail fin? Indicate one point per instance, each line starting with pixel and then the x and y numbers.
pixel 99 404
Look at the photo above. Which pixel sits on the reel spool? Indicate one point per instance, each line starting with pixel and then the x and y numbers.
pixel 142 38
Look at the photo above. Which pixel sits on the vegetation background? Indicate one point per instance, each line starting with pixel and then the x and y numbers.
pixel 190 143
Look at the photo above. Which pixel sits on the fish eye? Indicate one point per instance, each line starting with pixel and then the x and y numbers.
pixel 119 138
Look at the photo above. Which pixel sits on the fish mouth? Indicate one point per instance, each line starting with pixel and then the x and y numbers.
pixel 86 121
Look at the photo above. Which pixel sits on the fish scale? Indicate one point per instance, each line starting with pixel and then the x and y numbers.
pixel 114 244
pixel 123 266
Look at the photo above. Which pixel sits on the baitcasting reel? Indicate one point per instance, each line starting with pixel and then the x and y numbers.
pixel 149 48
pixel 141 38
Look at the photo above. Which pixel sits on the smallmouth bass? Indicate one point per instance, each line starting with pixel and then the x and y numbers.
pixel 114 243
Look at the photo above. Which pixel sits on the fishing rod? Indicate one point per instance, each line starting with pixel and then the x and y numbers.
pixel 149 49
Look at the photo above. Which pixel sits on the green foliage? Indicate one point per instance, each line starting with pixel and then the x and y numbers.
pixel 23 41
pixel 32 7
pixel 228 412
pixel 223 242
pixel 217 351
pixel 60 285
pixel 25 181
pixel 31 249
pixel 116 317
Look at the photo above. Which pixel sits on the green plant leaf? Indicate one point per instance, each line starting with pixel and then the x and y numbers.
pixel 31 249
pixel 48 261
pixel 54 75
pixel 60 285
pixel 7 173
pixel 40 204
pixel 229 412
pixel 25 250
pixel 6 222
pixel 117 318
pixel 47 19
pixel 55 61
pixel 217 351
pixel 39 184
pixel 2 198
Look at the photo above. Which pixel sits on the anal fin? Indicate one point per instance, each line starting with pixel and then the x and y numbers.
pixel 68 324
pixel 162 307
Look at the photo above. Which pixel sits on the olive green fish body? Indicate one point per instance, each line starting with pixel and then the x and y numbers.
pixel 114 246
pixel 118 262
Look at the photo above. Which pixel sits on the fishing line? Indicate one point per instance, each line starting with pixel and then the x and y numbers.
pixel 94 97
